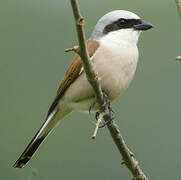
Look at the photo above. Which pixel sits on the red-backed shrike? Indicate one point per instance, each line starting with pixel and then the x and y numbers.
pixel 113 51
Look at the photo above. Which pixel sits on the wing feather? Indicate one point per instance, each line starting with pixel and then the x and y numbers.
pixel 72 73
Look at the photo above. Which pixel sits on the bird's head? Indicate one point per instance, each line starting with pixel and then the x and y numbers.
pixel 120 25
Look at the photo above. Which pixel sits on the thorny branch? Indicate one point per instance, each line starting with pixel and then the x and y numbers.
pixel 128 157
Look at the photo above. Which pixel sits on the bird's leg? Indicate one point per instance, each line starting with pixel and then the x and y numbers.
pixel 111 112
pixel 107 107
pixel 105 111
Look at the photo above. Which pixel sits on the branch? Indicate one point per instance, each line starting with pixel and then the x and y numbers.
pixel 97 126
pixel 75 49
pixel 91 75
pixel 128 158
pixel 178 3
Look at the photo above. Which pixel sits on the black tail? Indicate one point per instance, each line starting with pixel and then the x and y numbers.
pixel 28 152
pixel 45 129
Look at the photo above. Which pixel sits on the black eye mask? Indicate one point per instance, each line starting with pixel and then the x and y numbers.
pixel 121 24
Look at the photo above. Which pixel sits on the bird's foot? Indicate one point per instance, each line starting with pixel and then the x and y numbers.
pixel 110 120
pixel 108 108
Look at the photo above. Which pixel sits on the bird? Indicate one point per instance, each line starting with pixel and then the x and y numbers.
pixel 113 51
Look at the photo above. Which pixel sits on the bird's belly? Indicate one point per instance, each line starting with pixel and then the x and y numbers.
pixel 116 79
pixel 116 71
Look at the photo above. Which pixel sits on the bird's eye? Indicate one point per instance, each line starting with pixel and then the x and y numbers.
pixel 122 21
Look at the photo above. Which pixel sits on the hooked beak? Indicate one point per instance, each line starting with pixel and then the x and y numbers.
pixel 143 26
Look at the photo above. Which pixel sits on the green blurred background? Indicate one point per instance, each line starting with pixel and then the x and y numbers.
pixel 33 36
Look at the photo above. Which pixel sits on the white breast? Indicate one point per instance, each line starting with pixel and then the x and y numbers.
pixel 115 61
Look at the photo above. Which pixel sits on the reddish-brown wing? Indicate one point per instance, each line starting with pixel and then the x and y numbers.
pixel 72 73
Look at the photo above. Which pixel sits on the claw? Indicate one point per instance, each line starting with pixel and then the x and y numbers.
pixel 107 123
pixel 97 115
pixel 103 125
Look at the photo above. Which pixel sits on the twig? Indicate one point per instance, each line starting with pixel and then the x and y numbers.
pixel 97 126
pixel 178 58
pixel 74 48
pixel 178 3
pixel 127 156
